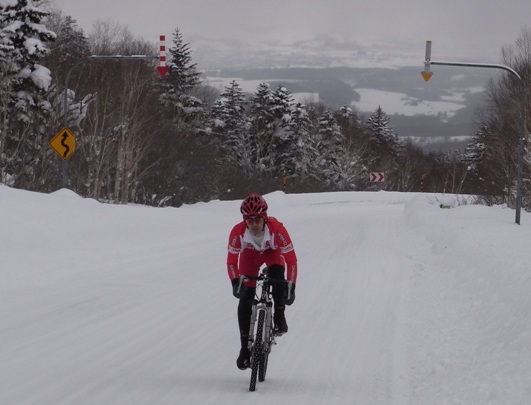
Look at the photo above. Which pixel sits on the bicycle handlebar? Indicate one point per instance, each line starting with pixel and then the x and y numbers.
pixel 262 276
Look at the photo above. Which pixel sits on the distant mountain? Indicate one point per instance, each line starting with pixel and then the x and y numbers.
pixel 439 114
pixel 317 53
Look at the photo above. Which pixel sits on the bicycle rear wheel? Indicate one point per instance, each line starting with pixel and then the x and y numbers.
pixel 257 352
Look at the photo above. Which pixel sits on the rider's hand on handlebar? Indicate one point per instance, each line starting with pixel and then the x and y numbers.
pixel 238 290
pixel 289 295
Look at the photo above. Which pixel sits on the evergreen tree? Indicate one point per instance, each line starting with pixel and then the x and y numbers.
pixel 331 150
pixel 345 114
pixel 380 131
pixel 384 147
pixel 281 154
pixel 303 164
pixel 177 85
pixel 25 82
pixel 230 125
pixel 480 152
pixel 262 129
pixel 475 149
pixel 271 132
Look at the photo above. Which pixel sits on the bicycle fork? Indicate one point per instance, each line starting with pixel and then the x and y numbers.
pixel 254 314
pixel 269 337
pixel 267 331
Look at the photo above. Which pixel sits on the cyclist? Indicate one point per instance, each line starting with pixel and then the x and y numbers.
pixel 257 240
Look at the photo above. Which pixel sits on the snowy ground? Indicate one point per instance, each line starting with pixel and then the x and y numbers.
pixel 402 104
pixel 398 302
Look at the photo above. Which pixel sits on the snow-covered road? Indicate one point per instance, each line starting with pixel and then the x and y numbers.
pixel 398 302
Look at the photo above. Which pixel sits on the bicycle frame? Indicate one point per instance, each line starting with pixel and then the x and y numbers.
pixel 263 303
pixel 261 341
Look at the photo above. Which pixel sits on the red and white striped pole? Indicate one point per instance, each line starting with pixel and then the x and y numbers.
pixel 162 68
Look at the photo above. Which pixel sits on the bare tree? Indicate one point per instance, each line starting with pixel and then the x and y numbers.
pixel 120 129
pixel 502 121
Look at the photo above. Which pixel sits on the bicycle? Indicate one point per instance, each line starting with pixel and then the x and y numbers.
pixel 262 337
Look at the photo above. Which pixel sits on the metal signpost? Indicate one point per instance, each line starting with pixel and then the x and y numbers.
pixel 426 74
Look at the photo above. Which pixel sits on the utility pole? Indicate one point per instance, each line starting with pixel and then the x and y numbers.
pixel 426 74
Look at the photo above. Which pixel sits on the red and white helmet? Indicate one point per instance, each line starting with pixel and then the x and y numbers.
pixel 254 205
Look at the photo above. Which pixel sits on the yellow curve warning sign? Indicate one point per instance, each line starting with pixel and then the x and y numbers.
pixel 64 143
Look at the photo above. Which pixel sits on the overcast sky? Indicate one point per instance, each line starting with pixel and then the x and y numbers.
pixel 467 29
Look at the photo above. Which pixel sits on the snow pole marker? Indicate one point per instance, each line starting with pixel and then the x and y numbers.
pixel 162 68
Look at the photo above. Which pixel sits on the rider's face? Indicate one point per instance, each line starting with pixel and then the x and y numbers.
pixel 255 224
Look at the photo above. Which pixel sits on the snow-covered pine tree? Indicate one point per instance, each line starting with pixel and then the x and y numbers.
pixel 181 79
pixel 476 157
pixel 381 133
pixel 230 124
pixel 385 147
pixel 345 113
pixel 261 131
pixel 303 163
pixel 282 150
pixel 331 151
pixel 475 149
pixel 352 128
pixel 24 106
pixel 6 47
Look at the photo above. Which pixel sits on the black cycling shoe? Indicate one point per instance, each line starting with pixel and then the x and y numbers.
pixel 244 359
pixel 281 326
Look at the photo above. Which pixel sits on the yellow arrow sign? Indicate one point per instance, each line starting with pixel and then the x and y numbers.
pixel 427 75
pixel 64 143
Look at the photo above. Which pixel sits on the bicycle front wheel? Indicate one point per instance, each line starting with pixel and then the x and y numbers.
pixel 257 352
pixel 266 347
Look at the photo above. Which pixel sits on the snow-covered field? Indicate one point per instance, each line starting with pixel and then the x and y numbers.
pixel 399 302
pixel 370 99
pixel 399 103
pixel 402 104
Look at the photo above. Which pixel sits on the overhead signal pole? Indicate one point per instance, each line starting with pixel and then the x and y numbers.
pixel 427 74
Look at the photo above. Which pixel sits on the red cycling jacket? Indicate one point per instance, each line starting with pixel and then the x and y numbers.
pixel 276 242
